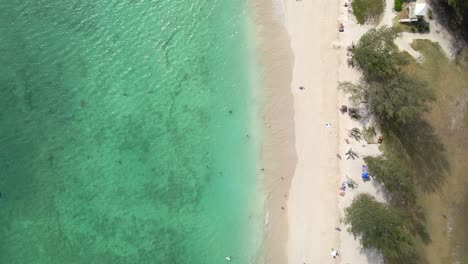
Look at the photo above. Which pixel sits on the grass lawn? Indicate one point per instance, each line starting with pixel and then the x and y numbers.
pixel 436 149
pixel 367 10
pixel 449 119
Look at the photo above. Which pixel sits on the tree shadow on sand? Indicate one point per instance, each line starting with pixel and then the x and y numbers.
pixel 418 143
pixel 372 255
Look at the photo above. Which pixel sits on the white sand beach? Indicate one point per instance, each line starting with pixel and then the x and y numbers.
pixel 313 196
pixel 306 57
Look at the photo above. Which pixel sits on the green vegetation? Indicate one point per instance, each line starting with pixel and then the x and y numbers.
pixel 369 135
pixel 395 178
pixel 449 119
pixel 388 92
pixel 402 99
pixel 399 91
pixel 377 56
pixel 367 10
pixel 381 227
pixel 398 5
pixel 429 13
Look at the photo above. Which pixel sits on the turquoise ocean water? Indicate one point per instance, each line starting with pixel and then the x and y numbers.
pixel 123 132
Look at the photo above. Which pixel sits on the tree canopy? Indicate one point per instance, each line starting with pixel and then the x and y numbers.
pixel 395 179
pixel 377 55
pixel 387 91
pixel 402 98
pixel 381 227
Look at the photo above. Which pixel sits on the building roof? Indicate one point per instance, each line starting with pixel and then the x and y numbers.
pixel 420 9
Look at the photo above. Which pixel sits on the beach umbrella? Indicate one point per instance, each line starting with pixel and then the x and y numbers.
pixel 365 175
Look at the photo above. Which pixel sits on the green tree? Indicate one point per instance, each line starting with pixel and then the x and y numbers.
pixel 400 98
pixel 381 227
pixel 377 55
pixel 395 179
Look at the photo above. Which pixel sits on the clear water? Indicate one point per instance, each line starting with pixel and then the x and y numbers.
pixel 123 132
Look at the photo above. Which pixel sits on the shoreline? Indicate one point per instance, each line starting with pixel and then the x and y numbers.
pixel 277 159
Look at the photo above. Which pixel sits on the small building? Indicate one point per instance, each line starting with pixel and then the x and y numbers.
pixel 415 11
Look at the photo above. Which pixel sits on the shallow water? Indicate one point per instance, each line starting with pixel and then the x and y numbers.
pixel 124 132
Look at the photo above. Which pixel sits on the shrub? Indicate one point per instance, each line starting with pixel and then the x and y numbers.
pixel 397 5
pixel 369 135
pixel 423 27
pixel 429 13
pixel 366 10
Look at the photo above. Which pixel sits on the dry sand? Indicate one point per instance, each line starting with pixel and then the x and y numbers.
pixel 313 196
pixel 314 207
pixel 350 248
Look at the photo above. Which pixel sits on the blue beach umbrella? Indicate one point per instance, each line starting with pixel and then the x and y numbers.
pixel 365 175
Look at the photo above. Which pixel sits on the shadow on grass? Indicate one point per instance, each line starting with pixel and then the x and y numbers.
pixel 419 144
pixel 418 225
pixel 413 259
